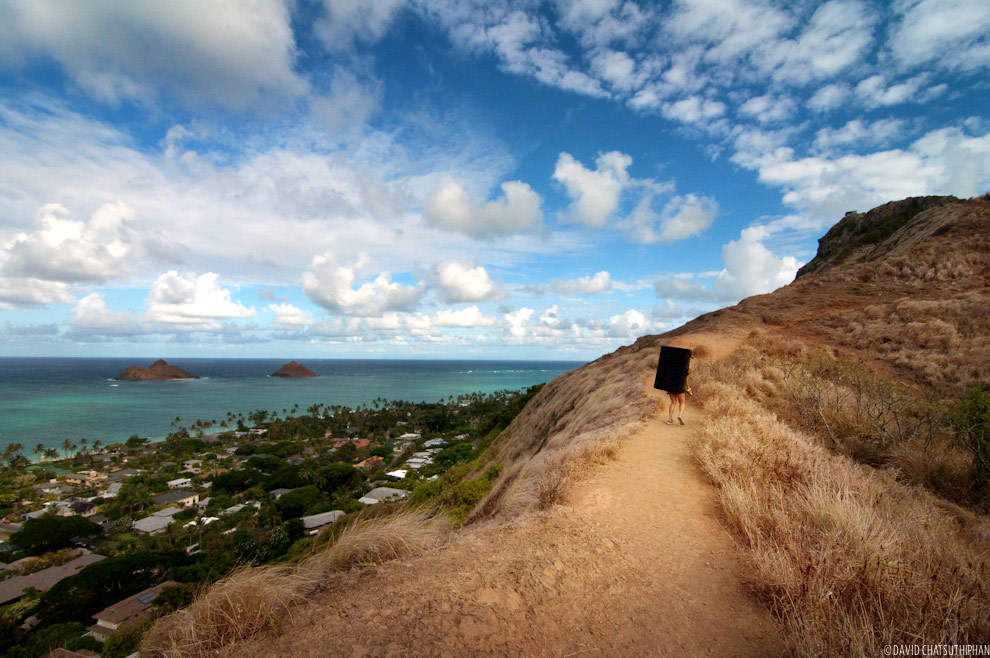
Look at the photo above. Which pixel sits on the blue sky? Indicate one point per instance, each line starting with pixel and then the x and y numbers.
pixel 452 179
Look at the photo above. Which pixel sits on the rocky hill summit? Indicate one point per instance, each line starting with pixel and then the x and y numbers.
pixel 157 371
pixel 294 369
pixel 859 237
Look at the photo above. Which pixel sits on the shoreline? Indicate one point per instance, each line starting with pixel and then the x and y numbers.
pixel 74 404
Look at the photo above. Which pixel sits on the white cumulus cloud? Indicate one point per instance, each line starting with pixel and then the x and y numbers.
pixel 829 97
pixel 595 194
pixel 630 323
pixel 517 322
pixel 92 316
pixel 331 286
pixel 19 292
pixel 191 301
pixel 348 21
pixel 751 268
pixel 681 217
pixel 461 281
pixel 72 251
pixel 451 208
pixel 234 54
pixel 951 34
pixel 585 285
pixel 289 316
pixel 467 317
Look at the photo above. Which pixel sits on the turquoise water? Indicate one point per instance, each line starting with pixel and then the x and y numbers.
pixel 49 400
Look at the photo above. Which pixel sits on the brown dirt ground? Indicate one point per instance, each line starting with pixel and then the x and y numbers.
pixel 634 564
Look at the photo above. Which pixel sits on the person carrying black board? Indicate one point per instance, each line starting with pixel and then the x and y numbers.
pixel 672 377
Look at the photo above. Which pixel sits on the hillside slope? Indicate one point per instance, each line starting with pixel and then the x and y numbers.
pixel 571 553
pixel 604 575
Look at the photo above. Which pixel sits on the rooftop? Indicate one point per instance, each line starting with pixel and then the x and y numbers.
pixel 318 520
pixel 152 524
pixel 380 494
pixel 133 606
pixel 173 497
pixel 13 588
pixel 123 474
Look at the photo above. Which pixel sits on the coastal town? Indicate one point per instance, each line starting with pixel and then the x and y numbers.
pixel 97 540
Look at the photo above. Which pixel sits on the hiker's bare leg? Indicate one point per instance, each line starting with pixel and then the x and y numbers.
pixel 680 403
pixel 670 409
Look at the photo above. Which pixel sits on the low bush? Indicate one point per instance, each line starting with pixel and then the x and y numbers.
pixel 971 421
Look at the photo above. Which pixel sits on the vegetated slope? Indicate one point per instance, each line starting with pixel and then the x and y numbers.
pixel 831 546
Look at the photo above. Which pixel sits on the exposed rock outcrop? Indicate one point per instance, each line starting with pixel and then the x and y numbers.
pixel 157 371
pixel 860 237
pixel 294 369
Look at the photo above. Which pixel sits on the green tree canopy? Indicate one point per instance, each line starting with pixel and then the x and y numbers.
pixel 295 503
pixel 338 477
pixel 50 533
pixel 104 583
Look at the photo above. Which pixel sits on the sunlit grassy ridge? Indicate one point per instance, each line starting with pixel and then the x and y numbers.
pixel 848 556
pixel 829 432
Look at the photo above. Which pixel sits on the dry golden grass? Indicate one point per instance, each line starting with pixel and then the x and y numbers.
pixel 943 343
pixel 555 481
pixel 847 557
pixel 256 600
pixel 249 601
pixel 377 540
pixel 851 410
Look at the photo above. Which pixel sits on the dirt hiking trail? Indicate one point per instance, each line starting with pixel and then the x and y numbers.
pixel 634 564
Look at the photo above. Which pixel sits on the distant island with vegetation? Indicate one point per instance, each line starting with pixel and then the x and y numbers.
pixel 157 371
pixel 294 369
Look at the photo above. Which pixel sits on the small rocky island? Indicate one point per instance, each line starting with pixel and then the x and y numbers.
pixel 157 371
pixel 294 369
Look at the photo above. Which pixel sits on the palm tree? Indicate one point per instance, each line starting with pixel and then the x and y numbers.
pixel 67 446
pixel 85 444
pixel 11 451
pixel 40 451
pixel 51 453
pixel 97 444
pixel 307 471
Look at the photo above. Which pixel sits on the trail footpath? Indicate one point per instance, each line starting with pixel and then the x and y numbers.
pixel 633 564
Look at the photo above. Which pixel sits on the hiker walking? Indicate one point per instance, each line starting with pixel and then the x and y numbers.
pixel 672 377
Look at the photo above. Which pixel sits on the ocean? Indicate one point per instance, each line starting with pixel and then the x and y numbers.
pixel 49 400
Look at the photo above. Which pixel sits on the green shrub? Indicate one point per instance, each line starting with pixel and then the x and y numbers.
pixel 124 642
pixel 971 421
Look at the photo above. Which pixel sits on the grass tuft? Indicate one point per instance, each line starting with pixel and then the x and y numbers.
pixel 377 540
pixel 248 602
pixel 256 600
